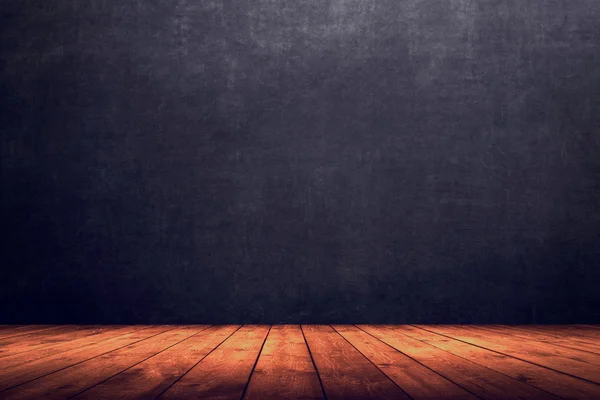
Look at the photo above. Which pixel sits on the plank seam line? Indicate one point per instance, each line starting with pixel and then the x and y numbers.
pixel 255 363
pixel 313 362
pixel 420 363
pixel 507 355
pixel 137 329
pixel 87 359
pixel 517 336
pixel 58 343
pixel 37 341
pixel 199 361
pixel 481 365
pixel 589 333
pixel 29 333
pixel 369 360
pixel 139 362
pixel 580 338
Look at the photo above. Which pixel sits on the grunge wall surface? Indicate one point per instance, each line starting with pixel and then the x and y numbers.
pixel 300 161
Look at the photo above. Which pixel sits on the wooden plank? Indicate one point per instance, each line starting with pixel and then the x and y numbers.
pixel 11 377
pixel 570 361
pixel 585 355
pixel 5 327
pixel 23 340
pixel 562 385
pixel 479 380
pixel 555 337
pixel 225 372
pixel 284 369
pixel 558 336
pixel 71 381
pixel 38 340
pixel 558 332
pixel 418 381
pixel 344 371
pixel 578 363
pixel 581 332
pixel 25 330
pixel 22 358
pixel 150 378
pixel 589 326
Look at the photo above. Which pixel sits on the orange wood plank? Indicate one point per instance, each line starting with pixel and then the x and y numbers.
pixel 420 382
pixel 574 362
pixel 12 361
pixel 427 362
pixel 562 385
pixel 150 378
pixel 25 330
pixel 557 346
pixel 70 381
pixel 479 380
pixel 225 372
pixel 344 371
pixel 10 377
pixel 575 331
pixel 38 340
pixel 551 330
pixel 284 369
pixel 554 337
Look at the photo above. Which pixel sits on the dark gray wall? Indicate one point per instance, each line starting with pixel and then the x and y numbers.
pixel 300 161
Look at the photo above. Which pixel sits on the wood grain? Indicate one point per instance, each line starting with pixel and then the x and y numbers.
pixel 150 378
pixel 14 360
pixel 562 385
pixel 573 333
pixel 593 330
pixel 11 377
pixel 419 362
pixel 225 372
pixel 344 371
pixel 25 330
pixel 418 381
pixel 554 337
pixel 41 339
pixel 574 362
pixel 475 378
pixel 285 369
pixel 70 381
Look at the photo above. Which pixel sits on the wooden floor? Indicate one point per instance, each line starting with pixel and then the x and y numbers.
pixel 425 362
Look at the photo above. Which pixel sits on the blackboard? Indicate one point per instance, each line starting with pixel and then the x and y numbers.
pixel 300 161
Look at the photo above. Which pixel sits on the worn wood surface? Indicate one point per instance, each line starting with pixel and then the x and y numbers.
pixel 419 362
